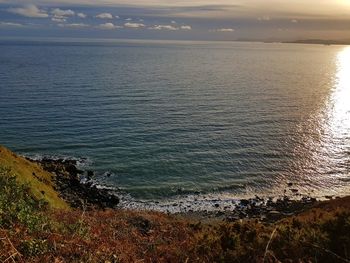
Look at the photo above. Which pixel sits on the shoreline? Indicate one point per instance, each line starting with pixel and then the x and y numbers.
pixel 76 188
pixel 67 181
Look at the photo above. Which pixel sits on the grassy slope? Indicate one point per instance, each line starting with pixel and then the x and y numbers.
pixel 40 181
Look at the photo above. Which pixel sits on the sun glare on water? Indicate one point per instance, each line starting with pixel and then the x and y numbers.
pixel 339 110
pixel 335 147
pixel 330 151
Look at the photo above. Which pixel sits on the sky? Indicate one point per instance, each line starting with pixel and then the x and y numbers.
pixel 278 20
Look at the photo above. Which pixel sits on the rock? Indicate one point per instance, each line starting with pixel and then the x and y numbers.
pixel 274 215
pixel 90 174
pixel 242 214
pixel 76 193
pixel 258 198
pixel 72 169
pixel 219 213
pixel 244 202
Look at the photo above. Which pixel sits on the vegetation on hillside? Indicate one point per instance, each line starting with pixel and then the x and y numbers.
pixel 40 182
pixel 32 232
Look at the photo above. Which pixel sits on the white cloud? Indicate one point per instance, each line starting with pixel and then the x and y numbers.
pixel 58 20
pixel 170 27
pixel 56 12
pixel 104 16
pixel 128 19
pixel 81 15
pixel 134 25
pixel 10 24
pixel 108 26
pixel 225 30
pixel 173 22
pixel 60 15
pixel 76 25
pixel 186 27
pixel 117 17
pixel 163 27
pixel 29 11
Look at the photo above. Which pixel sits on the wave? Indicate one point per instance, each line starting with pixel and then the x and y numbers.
pixel 81 162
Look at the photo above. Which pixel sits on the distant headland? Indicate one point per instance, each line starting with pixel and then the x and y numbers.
pixel 313 41
pixel 320 42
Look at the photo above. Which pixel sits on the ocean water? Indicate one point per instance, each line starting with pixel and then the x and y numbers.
pixel 164 120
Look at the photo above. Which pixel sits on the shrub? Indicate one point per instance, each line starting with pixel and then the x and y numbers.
pixel 17 206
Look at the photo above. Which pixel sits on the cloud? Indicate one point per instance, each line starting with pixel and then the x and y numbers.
pixel 74 25
pixel 163 27
pixel 225 30
pixel 29 11
pixel 81 15
pixel 108 26
pixel 251 19
pixel 10 24
pixel 58 20
pixel 215 9
pixel 186 27
pixel 117 17
pixel 59 13
pixel 104 16
pixel 134 25
pixel 169 27
pixel 128 19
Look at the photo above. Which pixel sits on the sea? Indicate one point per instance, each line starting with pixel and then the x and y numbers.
pixel 178 121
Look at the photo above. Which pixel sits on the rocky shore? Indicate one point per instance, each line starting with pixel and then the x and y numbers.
pixel 68 182
pixel 84 194
pixel 264 210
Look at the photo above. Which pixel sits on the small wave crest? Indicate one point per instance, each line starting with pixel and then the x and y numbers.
pixel 81 162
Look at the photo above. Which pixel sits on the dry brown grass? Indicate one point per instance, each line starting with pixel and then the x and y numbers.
pixel 129 236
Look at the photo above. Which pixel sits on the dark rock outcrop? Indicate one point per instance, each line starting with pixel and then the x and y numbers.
pixel 67 179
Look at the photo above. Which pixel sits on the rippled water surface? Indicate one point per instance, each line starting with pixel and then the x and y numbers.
pixel 169 119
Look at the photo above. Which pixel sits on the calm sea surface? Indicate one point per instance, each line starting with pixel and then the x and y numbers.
pixel 170 119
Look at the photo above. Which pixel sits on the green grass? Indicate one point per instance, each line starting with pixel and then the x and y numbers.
pixel 39 181
pixel 17 206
